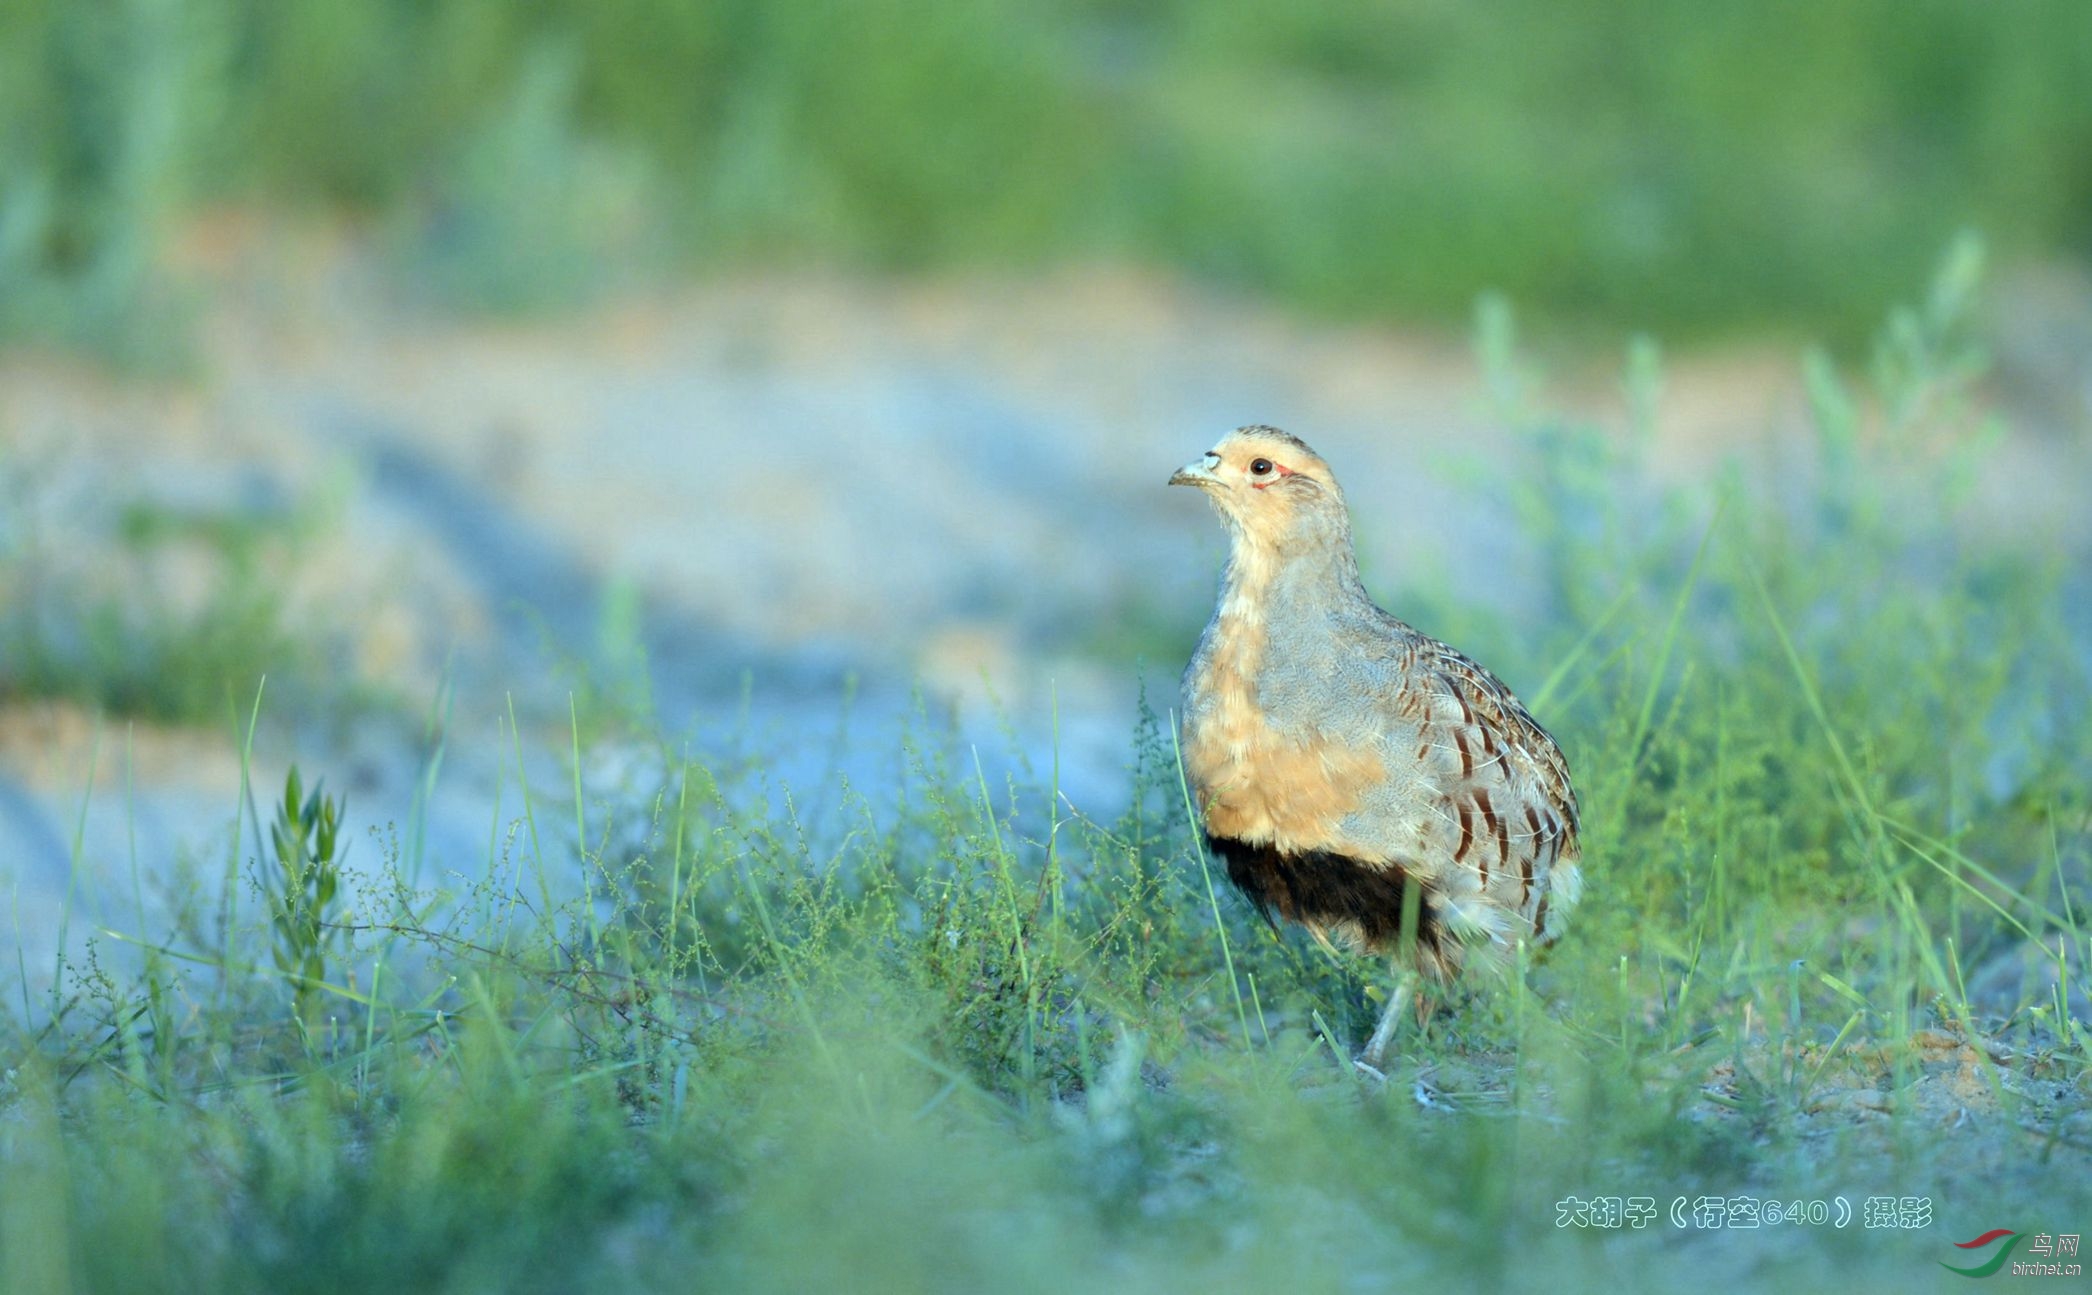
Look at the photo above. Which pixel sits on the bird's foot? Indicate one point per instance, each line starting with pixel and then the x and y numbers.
pixel 1428 1097
pixel 1421 1092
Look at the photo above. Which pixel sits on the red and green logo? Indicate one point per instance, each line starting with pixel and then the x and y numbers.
pixel 1995 1262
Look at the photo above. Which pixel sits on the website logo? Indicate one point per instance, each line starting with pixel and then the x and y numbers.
pixel 1995 1262
pixel 2042 1254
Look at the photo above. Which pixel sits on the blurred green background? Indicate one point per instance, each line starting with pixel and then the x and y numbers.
pixel 1696 168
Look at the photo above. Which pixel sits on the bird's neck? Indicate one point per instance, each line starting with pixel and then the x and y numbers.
pixel 1315 570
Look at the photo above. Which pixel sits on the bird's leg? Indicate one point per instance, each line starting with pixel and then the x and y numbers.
pixel 1374 1056
pixel 1322 938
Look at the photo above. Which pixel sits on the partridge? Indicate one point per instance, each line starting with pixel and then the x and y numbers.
pixel 1361 778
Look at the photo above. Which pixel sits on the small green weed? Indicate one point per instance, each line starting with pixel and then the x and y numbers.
pixel 301 892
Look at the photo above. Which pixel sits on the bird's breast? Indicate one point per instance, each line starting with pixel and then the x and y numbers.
pixel 1256 777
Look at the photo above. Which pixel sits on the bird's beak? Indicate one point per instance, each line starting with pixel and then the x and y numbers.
pixel 1195 473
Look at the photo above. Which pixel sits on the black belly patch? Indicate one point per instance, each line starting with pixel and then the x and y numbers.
pixel 1326 888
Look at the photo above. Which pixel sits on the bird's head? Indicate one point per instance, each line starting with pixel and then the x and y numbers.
pixel 1269 488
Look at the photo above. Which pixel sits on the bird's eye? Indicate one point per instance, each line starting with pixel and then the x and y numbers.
pixel 1260 467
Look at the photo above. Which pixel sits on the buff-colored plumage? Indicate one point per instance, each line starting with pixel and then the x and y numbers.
pixel 1349 767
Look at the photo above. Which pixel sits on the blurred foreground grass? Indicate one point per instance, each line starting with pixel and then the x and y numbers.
pixel 1692 167
pixel 1834 773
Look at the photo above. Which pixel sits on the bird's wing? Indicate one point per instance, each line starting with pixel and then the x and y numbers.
pixel 1476 798
pixel 1490 707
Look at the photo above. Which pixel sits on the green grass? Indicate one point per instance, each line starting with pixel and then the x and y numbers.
pixel 976 1039
pixel 1697 166
pixel 155 612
